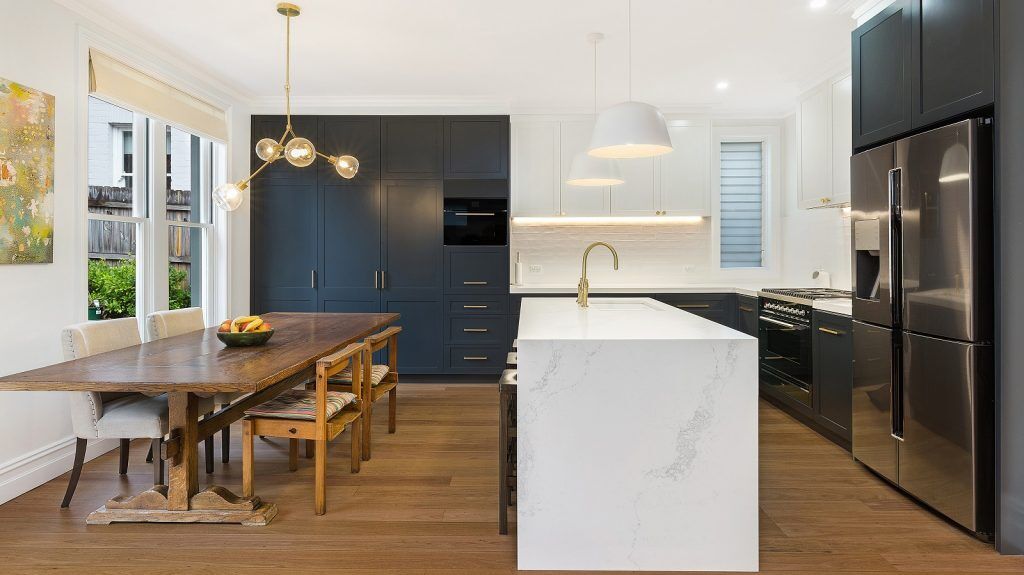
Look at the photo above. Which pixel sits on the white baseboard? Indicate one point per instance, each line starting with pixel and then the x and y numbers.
pixel 25 473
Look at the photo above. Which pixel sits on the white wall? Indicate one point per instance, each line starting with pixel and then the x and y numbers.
pixel 41 48
pixel 811 239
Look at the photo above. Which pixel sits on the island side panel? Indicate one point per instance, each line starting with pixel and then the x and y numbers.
pixel 638 455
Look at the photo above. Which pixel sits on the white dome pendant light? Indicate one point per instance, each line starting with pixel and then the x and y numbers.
pixel 587 170
pixel 630 129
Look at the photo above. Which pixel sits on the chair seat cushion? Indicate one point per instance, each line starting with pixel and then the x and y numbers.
pixel 344 377
pixel 138 416
pixel 301 404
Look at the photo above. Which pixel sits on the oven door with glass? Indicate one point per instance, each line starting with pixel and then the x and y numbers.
pixel 785 357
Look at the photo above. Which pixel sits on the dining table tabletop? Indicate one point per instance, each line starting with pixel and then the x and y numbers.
pixel 193 365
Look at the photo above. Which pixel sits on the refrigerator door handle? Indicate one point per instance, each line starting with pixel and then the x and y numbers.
pixel 895 246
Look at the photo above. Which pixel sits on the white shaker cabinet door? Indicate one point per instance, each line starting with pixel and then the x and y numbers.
pixel 579 200
pixel 535 168
pixel 815 149
pixel 683 173
pixel 635 197
pixel 842 138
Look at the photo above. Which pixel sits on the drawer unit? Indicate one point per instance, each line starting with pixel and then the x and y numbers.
pixel 476 330
pixel 476 358
pixel 476 304
pixel 719 308
pixel 513 329
pixel 476 270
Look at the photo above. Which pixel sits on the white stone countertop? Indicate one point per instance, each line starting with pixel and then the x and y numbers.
pixel 841 306
pixel 744 289
pixel 615 319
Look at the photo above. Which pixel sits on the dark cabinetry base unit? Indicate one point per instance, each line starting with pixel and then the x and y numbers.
pixel 832 342
pixel 921 63
pixel 376 242
pixel 476 317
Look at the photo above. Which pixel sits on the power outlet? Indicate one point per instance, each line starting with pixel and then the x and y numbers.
pixel 689 269
pixel 536 269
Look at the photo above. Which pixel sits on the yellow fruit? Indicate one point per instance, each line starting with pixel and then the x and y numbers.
pixel 252 325
pixel 239 322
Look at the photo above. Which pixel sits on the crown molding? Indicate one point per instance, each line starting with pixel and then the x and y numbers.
pixel 384 105
pixel 100 25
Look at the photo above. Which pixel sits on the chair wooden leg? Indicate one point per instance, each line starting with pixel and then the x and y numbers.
pixel 293 454
pixel 503 463
pixel 309 449
pixel 247 458
pixel 225 444
pixel 208 451
pixel 392 408
pixel 357 442
pixel 158 462
pixel 76 471
pixel 320 460
pixel 367 424
pixel 126 445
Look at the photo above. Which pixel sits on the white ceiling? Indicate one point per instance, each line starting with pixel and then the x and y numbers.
pixel 519 55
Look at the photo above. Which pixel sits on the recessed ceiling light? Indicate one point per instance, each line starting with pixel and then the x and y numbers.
pixel 722 85
pixel 818 4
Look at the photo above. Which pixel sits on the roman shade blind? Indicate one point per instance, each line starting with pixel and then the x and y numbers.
pixel 114 80
pixel 741 201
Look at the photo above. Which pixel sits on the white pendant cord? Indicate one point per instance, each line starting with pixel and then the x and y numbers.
pixel 595 78
pixel 629 50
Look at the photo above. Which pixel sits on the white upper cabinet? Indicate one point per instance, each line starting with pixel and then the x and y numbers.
pixel 842 138
pixel 636 196
pixel 579 200
pixel 535 176
pixel 683 174
pixel 826 133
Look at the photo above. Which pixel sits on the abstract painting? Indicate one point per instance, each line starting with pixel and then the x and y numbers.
pixel 26 175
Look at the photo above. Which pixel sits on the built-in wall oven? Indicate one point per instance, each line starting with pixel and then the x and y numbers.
pixel 475 221
pixel 784 339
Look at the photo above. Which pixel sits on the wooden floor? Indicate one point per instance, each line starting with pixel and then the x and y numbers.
pixel 426 503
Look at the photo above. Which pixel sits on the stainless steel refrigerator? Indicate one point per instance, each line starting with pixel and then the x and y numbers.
pixel 923 417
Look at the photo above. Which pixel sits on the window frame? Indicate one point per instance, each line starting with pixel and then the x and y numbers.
pixel 769 136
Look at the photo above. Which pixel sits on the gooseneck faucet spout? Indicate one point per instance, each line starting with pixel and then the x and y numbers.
pixel 583 290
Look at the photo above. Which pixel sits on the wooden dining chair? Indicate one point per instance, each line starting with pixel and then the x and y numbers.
pixel 316 415
pixel 378 381
pixel 122 416
pixel 161 324
pixel 507 439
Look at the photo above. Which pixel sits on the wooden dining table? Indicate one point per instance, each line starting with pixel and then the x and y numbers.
pixel 190 366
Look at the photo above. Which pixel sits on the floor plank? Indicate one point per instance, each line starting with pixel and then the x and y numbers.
pixel 426 504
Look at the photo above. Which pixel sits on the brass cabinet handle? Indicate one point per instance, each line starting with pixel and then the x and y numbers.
pixel 382 282
pixel 474 358
pixel 312 279
pixel 376 282
pixel 474 283
pixel 475 329
pixel 693 305
pixel 830 331
pixel 745 308
pixel 474 307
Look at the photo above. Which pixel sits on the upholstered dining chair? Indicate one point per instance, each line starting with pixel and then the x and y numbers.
pixel 316 415
pixel 378 380
pixel 163 324
pixel 122 416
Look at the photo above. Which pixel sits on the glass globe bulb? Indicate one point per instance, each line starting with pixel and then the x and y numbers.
pixel 299 152
pixel 347 166
pixel 268 150
pixel 228 197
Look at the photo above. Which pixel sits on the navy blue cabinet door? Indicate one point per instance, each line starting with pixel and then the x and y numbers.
pixel 476 147
pixel 413 272
pixel 349 252
pixel 412 147
pixel 284 246
pixel 357 136
pixel 881 75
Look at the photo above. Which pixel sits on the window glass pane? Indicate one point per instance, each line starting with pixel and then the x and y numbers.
pixel 185 278
pixel 184 174
pixel 111 161
pixel 742 195
pixel 112 283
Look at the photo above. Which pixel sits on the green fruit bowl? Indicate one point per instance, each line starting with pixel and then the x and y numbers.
pixel 244 338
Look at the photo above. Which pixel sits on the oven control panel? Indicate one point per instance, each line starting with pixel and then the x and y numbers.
pixel 786 309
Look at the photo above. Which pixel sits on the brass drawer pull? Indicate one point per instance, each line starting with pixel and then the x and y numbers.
pixel 745 308
pixel 474 307
pixel 830 331
pixel 693 305
pixel 474 283
pixel 474 358
pixel 475 329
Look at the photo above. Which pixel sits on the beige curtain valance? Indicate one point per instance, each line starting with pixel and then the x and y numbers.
pixel 124 85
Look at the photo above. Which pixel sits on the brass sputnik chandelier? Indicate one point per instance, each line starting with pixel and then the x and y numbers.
pixel 299 152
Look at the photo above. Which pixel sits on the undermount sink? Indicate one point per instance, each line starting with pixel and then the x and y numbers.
pixel 622 305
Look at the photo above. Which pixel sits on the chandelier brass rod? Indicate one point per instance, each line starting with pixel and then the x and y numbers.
pixel 288 73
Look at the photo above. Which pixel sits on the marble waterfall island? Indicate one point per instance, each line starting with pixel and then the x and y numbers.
pixel 637 439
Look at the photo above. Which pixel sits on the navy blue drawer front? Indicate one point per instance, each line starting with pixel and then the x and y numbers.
pixel 476 358
pixel 476 270
pixel 477 330
pixel 476 304
pixel 719 308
